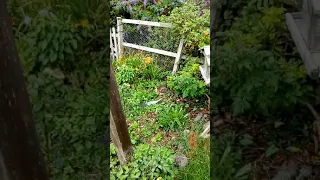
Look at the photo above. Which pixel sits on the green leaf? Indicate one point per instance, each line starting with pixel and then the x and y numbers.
pixel 243 171
pixel 278 124
pixel 74 44
pixel 271 150
pixel 293 149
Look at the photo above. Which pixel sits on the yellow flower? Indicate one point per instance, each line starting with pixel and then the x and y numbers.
pixel 84 23
pixel 148 60
pixel 136 69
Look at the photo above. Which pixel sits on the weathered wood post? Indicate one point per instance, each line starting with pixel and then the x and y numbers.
pixel 304 28
pixel 118 125
pixel 20 155
pixel 120 35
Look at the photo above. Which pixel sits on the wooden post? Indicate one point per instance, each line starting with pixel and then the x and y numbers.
pixel 178 57
pixel 111 46
pixel 20 155
pixel 115 43
pixel 120 35
pixel 118 125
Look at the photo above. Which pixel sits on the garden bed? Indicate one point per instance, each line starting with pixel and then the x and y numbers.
pixel 168 124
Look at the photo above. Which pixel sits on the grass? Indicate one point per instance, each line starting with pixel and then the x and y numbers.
pixel 199 165
pixel 162 124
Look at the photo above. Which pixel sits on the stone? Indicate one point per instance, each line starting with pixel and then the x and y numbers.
pixel 306 171
pixel 199 117
pixel 180 160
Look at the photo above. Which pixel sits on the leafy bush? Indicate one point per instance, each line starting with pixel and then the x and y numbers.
pixel 255 81
pixel 266 29
pixel 187 83
pixel 53 42
pixel 131 67
pixel 172 117
pixel 192 23
pixel 146 163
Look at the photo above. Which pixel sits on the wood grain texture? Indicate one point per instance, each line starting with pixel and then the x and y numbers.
pixel 19 142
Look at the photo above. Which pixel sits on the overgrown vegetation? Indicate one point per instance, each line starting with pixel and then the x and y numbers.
pixel 157 124
pixel 260 88
pixel 63 49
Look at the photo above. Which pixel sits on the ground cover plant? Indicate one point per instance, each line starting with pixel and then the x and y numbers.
pixel 159 129
pixel 63 52
pixel 261 94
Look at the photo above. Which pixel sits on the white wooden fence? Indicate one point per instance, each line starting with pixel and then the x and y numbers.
pixel 117 44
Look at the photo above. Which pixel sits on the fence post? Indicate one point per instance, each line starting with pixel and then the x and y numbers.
pixel 118 125
pixel 178 57
pixel 20 152
pixel 120 35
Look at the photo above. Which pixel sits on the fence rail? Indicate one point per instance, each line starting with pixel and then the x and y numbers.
pixel 119 39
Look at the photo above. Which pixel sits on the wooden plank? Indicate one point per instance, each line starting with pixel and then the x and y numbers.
pixel 203 73
pixel 120 35
pixel 20 153
pixel 118 125
pixel 115 42
pixel 305 54
pixel 147 23
pixel 153 50
pixel 178 57
pixel 111 46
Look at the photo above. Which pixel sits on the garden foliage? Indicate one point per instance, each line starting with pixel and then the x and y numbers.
pixel 250 70
pixel 63 57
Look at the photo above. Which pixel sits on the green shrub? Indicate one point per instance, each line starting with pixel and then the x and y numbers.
pixel 186 82
pixel 266 30
pixel 146 163
pixel 255 81
pixel 191 23
pixel 53 42
pixel 172 117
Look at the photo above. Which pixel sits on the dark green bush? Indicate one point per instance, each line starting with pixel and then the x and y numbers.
pixel 147 163
pixel 187 82
pixel 255 81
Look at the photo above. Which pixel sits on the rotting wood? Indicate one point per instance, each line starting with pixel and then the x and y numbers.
pixel 118 125
pixel 21 158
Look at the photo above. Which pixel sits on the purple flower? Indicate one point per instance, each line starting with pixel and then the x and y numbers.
pixel 161 10
pixel 172 3
pixel 145 3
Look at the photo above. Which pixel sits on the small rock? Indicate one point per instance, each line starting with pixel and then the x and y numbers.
pixel 205 116
pixel 199 116
pixel 180 146
pixel 306 171
pixel 180 160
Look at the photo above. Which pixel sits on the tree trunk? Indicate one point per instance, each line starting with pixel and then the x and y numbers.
pixel 118 125
pixel 20 155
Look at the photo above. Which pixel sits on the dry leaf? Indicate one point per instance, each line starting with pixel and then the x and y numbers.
pixel 192 140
